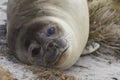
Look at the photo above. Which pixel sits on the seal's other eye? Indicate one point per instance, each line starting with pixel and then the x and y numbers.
pixel 35 52
pixel 50 31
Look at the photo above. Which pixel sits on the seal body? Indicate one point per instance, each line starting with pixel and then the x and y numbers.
pixel 50 33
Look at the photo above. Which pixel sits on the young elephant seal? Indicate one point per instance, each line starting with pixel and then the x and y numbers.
pixel 51 33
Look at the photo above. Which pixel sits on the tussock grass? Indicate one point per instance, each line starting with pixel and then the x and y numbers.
pixel 104 19
pixel 105 23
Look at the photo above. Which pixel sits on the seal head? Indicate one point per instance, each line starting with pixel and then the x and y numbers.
pixel 43 43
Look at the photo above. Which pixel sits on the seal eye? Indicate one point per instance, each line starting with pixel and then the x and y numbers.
pixel 50 31
pixel 35 52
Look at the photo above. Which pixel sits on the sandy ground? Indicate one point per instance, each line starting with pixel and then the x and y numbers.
pixel 101 65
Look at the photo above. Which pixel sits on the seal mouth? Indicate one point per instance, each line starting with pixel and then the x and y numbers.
pixel 60 56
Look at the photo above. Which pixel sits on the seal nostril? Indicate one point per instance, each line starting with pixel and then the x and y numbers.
pixel 51 45
pixel 35 52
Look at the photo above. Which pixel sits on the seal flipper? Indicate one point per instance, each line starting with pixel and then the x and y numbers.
pixel 90 48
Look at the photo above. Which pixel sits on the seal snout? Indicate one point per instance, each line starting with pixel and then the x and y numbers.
pixel 54 51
